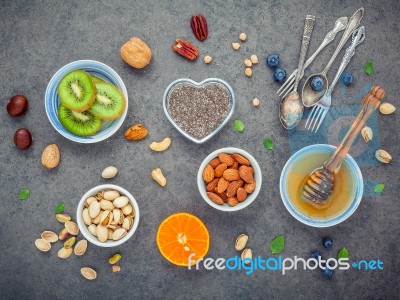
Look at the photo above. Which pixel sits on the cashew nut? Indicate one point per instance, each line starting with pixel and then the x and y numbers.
pixel 158 176
pixel 161 146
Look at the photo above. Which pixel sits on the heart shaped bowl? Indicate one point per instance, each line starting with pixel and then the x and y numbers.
pixel 52 101
pixel 184 81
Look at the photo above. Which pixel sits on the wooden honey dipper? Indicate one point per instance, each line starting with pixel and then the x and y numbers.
pixel 319 184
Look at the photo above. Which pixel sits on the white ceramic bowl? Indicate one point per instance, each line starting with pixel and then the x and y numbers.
pixel 84 229
pixel 52 100
pixel 257 176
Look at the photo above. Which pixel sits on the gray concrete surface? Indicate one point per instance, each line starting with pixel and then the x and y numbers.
pixel 39 37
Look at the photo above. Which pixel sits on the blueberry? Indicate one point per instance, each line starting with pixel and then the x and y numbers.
pixel 347 78
pixel 273 60
pixel 315 254
pixel 328 273
pixel 279 75
pixel 317 83
pixel 327 242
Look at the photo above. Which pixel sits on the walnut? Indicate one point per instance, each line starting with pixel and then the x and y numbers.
pixel 136 53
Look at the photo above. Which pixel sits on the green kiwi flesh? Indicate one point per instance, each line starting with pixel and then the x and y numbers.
pixel 109 103
pixel 96 79
pixel 77 91
pixel 79 123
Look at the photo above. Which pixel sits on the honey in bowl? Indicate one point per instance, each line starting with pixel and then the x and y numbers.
pixel 344 189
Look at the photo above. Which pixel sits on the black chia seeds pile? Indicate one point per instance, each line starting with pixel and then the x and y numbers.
pixel 199 111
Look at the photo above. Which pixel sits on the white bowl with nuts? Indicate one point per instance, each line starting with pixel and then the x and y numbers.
pixel 229 179
pixel 107 215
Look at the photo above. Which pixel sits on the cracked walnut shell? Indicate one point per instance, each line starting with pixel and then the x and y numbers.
pixel 136 53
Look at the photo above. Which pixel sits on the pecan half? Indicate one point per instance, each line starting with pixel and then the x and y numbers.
pixel 199 27
pixel 185 49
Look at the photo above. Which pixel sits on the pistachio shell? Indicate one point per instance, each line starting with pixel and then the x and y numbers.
pixel 127 209
pixel 119 234
pixel 116 215
pixel 70 242
pixel 102 233
pixel 127 224
pixel 64 253
pixel 62 218
pixel 99 195
pixel 247 253
pixel 109 172
pixel 49 236
pixel 114 226
pixel 111 195
pixel 86 217
pixel 114 259
pixel 121 201
pixel 94 209
pixel 42 245
pixel 80 247
pixel 241 241
pixel 367 133
pixel 88 273
pixel 63 234
pixel 106 205
pixel 72 227
pixel 110 233
pixel 383 156
pixel 89 201
pixel 92 229
pixel 97 219
pixel 387 108
pixel 106 217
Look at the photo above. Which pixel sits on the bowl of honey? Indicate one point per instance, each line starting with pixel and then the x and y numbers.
pixel 341 204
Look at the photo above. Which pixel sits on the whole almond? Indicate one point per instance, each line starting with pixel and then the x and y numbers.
pixel 215 162
pixel 223 196
pixel 51 156
pixel 208 173
pixel 212 185
pixel 226 159
pixel 241 159
pixel 235 166
pixel 231 174
pixel 222 185
pixel 219 170
pixel 215 198
pixel 233 201
pixel 241 194
pixel 387 108
pixel 136 132
pixel 250 187
pixel 233 187
pixel 245 174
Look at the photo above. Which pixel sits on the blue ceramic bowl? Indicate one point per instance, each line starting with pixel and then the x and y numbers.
pixel 356 178
pixel 51 100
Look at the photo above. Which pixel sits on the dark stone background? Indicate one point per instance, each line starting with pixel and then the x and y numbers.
pixel 39 37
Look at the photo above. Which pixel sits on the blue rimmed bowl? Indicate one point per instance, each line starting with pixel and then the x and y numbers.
pixel 209 81
pixel 355 189
pixel 52 101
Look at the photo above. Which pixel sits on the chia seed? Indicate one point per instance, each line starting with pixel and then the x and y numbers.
pixel 199 111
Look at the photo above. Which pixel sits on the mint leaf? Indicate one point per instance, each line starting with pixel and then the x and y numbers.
pixel 59 208
pixel 369 68
pixel 343 253
pixel 379 188
pixel 277 244
pixel 239 126
pixel 268 144
pixel 23 194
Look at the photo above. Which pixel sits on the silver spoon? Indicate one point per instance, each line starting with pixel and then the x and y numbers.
pixel 311 97
pixel 291 108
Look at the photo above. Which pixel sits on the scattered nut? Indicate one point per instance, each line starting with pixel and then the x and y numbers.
pixel 186 49
pixel 109 172
pixel 17 105
pixel 51 156
pixel 62 218
pixel 80 247
pixel 241 241
pixel 161 146
pixel 254 59
pixel 72 227
pixel 64 253
pixel 136 53
pixel 256 102
pixel 247 62
pixel 199 27
pixel 387 108
pixel 70 242
pixel 64 234
pixel 22 138
pixel 114 259
pixel 136 132
pixel 242 36
pixel 207 59
pixel 383 156
pixel 158 176
pixel 367 133
pixel 247 253
pixel 88 273
pixel 116 269
pixel 49 236
pixel 42 245
pixel 236 46
pixel 248 72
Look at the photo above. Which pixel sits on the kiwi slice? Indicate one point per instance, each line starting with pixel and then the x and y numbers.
pixel 109 103
pixel 77 91
pixel 79 123
pixel 96 79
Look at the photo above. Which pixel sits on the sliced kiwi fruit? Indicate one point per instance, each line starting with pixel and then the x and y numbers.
pixel 79 123
pixel 109 103
pixel 96 79
pixel 77 90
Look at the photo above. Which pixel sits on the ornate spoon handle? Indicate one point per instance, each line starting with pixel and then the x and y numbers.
pixel 370 103
pixel 308 28
pixel 351 26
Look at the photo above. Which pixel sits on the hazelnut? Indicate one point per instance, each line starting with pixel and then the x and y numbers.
pixel 236 46
pixel 242 36
pixel 17 105
pixel 248 72
pixel 22 138
pixel 207 59
pixel 256 102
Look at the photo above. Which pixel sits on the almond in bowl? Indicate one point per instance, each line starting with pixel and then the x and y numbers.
pixel 229 179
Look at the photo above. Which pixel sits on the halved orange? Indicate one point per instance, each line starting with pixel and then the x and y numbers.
pixel 181 235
